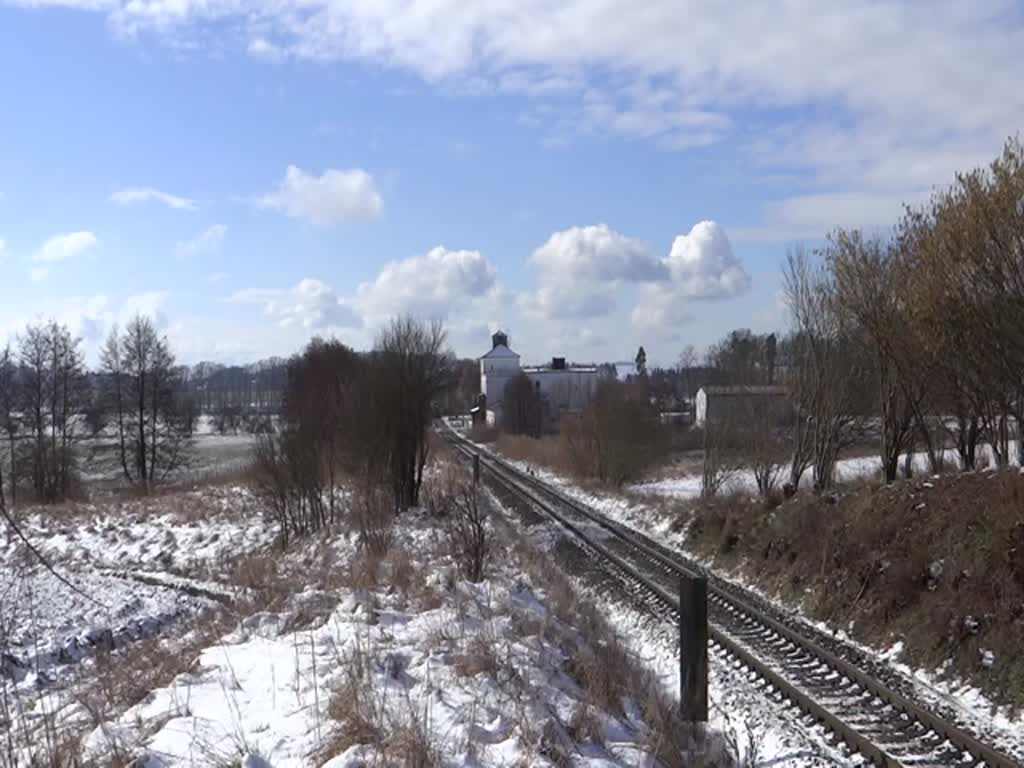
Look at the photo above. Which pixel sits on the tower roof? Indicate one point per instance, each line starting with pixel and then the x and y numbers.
pixel 500 351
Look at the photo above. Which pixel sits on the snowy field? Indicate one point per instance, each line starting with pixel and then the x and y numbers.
pixel 430 671
pixel 123 573
pixel 174 636
pixel 211 454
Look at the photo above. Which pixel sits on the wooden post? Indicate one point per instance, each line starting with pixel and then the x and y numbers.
pixel 693 648
pixel 476 468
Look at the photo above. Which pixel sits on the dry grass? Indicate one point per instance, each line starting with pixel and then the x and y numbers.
pixel 362 716
pixel 935 563
pixel 547 451
pixel 480 657
pixel 608 675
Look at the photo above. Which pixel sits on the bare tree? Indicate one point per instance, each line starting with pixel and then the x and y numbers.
pixel 827 376
pixel 871 289
pixel 411 358
pixel 522 407
pixel 53 397
pixel 8 413
pixel 617 436
pixel 143 390
pixel 724 454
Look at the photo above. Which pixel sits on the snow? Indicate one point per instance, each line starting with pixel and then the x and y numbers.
pixel 481 671
pixel 137 569
pixel 848 470
pixel 263 694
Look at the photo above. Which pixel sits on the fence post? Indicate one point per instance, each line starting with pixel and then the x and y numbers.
pixel 693 648
pixel 476 468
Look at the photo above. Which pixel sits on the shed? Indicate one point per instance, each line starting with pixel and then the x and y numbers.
pixel 714 403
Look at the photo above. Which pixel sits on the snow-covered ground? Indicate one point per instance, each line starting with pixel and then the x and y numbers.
pixel 416 667
pixel 688 485
pixel 388 662
pixel 116 573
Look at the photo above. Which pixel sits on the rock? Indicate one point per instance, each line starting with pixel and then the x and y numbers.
pixel 988 659
pixel 935 570
pixel 971 625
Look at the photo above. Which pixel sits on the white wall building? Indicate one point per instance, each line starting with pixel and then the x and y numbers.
pixel 497 368
pixel 564 389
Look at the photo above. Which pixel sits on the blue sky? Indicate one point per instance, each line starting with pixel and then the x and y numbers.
pixel 585 176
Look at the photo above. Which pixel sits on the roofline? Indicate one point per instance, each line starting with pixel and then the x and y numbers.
pixel 544 369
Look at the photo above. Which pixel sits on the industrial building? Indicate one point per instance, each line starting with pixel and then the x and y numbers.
pixel 563 389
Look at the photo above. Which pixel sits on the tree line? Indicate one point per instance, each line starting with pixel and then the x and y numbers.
pixel 912 338
pixel 50 402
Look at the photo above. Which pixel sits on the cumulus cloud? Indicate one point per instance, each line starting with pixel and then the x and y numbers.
pixel 3 247
pixel 595 253
pixel 135 195
pixel 333 197
pixel 564 302
pixel 579 268
pixel 206 242
pixel 701 267
pixel 435 283
pixel 702 264
pixel 309 303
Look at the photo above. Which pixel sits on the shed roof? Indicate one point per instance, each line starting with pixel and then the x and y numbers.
pixel 759 389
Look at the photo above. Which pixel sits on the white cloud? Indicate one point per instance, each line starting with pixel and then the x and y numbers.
pixel 3 248
pixel 66 246
pixel 582 269
pixel 148 304
pixel 331 198
pixel 562 302
pixel 60 248
pixel 899 93
pixel 261 48
pixel 660 312
pixel 309 303
pixel 135 195
pixel 436 283
pixel 206 242
pixel 217 277
pixel 579 269
pixel 597 253
pixel 701 267
pixel 87 317
pixel 702 264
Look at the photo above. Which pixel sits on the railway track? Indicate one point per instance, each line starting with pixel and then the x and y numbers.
pixel 870 715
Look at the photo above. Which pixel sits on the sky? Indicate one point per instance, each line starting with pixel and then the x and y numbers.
pixel 587 176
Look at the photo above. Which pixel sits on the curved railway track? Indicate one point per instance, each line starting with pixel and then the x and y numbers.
pixel 870 715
